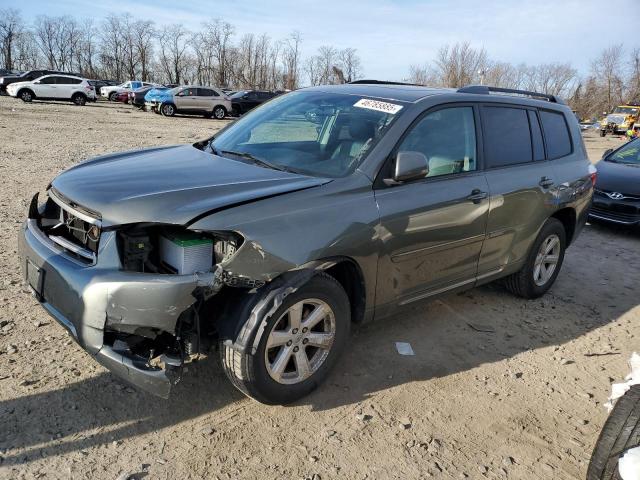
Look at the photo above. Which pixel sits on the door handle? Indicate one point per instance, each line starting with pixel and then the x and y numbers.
pixel 545 182
pixel 477 195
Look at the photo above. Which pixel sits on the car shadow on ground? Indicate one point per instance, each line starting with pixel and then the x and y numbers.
pixel 452 334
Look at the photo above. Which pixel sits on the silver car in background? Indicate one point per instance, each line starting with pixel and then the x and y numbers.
pixel 193 100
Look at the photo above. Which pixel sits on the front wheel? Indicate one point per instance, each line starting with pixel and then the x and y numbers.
pixel 168 110
pixel 543 262
pixel 300 344
pixel 603 133
pixel 26 95
pixel 112 96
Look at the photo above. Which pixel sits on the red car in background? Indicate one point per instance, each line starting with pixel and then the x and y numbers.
pixel 122 97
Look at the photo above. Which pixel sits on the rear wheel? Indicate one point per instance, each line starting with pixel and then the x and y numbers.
pixel 168 110
pixel 603 133
pixel 300 344
pixel 543 262
pixel 26 95
pixel 219 112
pixel 79 99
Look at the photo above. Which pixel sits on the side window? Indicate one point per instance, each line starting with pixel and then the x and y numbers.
pixel 556 134
pixel 507 140
pixel 536 136
pixel 48 81
pixel 68 81
pixel 447 138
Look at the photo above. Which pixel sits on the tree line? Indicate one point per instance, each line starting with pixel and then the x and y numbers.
pixel 613 78
pixel 121 47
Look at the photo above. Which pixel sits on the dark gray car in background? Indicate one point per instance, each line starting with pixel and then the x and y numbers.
pixel 325 206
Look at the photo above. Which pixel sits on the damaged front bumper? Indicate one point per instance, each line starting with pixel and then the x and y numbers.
pixel 92 299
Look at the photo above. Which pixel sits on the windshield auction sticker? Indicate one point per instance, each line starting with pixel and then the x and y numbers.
pixel 385 107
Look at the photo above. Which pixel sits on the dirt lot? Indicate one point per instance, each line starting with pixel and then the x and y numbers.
pixel 520 399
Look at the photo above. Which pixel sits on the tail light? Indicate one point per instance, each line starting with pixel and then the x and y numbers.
pixel 593 173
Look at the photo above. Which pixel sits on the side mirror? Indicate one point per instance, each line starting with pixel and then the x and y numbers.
pixel 409 166
pixel 607 152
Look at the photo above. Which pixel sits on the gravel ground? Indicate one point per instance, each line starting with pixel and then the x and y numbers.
pixel 498 388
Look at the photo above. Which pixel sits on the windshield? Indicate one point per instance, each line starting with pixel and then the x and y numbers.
pixel 629 154
pixel 239 94
pixel 315 133
pixel 626 110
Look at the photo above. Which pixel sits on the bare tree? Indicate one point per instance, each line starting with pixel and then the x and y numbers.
pixel 350 64
pixel 291 61
pixel 607 70
pixel 458 65
pixel 11 28
pixel 174 58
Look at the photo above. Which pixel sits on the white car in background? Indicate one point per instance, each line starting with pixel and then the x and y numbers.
pixel 112 91
pixel 54 87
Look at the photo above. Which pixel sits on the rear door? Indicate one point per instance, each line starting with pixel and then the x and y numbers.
pixel 521 183
pixel 67 86
pixel 207 99
pixel 432 229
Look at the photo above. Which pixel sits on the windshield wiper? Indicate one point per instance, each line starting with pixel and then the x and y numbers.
pixel 253 158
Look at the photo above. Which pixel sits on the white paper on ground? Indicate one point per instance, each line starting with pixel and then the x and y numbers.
pixel 619 389
pixel 404 348
pixel 629 464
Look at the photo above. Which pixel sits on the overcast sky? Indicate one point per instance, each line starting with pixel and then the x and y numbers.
pixel 390 35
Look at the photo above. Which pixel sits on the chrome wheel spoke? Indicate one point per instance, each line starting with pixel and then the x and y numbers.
pixel 278 338
pixel 303 368
pixel 536 273
pixel 551 259
pixel 320 340
pixel 314 317
pixel 295 315
pixel 281 361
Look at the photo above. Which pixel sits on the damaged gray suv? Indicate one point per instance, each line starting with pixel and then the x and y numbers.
pixel 323 207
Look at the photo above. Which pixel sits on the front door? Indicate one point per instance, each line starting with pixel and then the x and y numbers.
pixel 187 99
pixel 432 229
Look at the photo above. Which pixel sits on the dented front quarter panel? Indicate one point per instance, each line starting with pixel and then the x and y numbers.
pixel 289 232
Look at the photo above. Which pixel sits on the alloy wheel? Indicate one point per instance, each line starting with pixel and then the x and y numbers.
pixel 218 113
pixel 546 260
pixel 300 341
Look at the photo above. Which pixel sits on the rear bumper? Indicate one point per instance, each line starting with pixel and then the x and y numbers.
pixel 88 300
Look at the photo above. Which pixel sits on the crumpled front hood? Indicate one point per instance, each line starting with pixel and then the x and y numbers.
pixel 618 177
pixel 170 184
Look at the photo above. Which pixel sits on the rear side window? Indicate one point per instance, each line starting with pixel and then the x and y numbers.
pixel 68 81
pixel 536 136
pixel 207 92
pixel 556 133
pixel 507 140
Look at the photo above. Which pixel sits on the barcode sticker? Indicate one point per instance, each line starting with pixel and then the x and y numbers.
pixel 385 107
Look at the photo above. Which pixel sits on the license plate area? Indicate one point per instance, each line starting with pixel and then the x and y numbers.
pixel 35 279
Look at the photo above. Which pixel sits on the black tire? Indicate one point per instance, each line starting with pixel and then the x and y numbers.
pixel 168 109
pixel 249 374
pixel 603 133
pixel 112 96
pixel 26 95
pixel 522 283
pixel 621 432
pixel 79 99
pixel 219 112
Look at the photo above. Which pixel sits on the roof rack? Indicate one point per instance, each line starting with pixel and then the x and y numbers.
pixel 486 90
pixel 382 82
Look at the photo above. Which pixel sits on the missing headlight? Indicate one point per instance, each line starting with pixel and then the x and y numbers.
pixel 171 250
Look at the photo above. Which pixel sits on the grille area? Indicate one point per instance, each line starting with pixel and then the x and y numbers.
pixel 72 227
pixel 616 215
